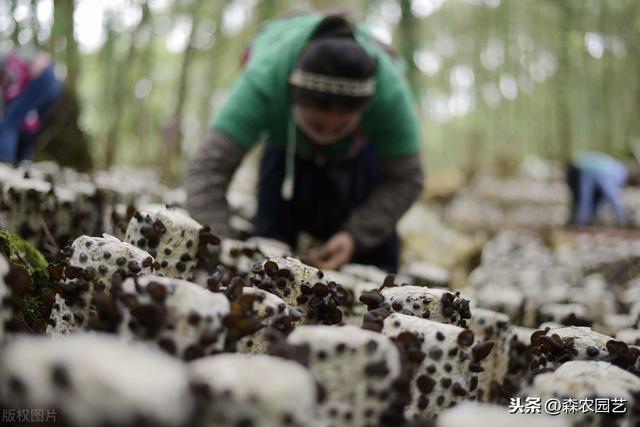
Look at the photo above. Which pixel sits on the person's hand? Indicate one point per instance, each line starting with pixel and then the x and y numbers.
pixel 335 252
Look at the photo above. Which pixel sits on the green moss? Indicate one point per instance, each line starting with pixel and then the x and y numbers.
pixel 20 251
pixel 32 306
pixel 40 279
pixel 5 244
pixel 32 311
pixel 35 259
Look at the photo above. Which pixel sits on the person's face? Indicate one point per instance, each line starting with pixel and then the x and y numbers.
pixel 325 127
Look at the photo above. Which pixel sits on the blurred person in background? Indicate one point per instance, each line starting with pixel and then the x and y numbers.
pixel 594 177
pixel 28 89
pixel 341 142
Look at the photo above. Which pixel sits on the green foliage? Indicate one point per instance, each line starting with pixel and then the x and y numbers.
pixel 573 63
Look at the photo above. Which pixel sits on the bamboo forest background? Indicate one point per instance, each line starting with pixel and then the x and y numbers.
pixel 493 79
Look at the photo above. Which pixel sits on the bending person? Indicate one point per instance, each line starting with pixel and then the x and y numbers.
pixel 28 88
pixel 592 178
pixel 341 142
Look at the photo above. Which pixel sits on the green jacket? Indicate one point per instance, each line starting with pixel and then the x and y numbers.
pixel 258 105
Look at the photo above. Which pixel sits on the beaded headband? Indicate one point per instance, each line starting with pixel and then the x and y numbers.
pixel 333 85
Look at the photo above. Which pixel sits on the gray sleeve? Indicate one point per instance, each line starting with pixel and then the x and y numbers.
pixel 401 182
pixel 208 178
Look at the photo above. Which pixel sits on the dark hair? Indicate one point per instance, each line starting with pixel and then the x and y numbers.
pixel 334 51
